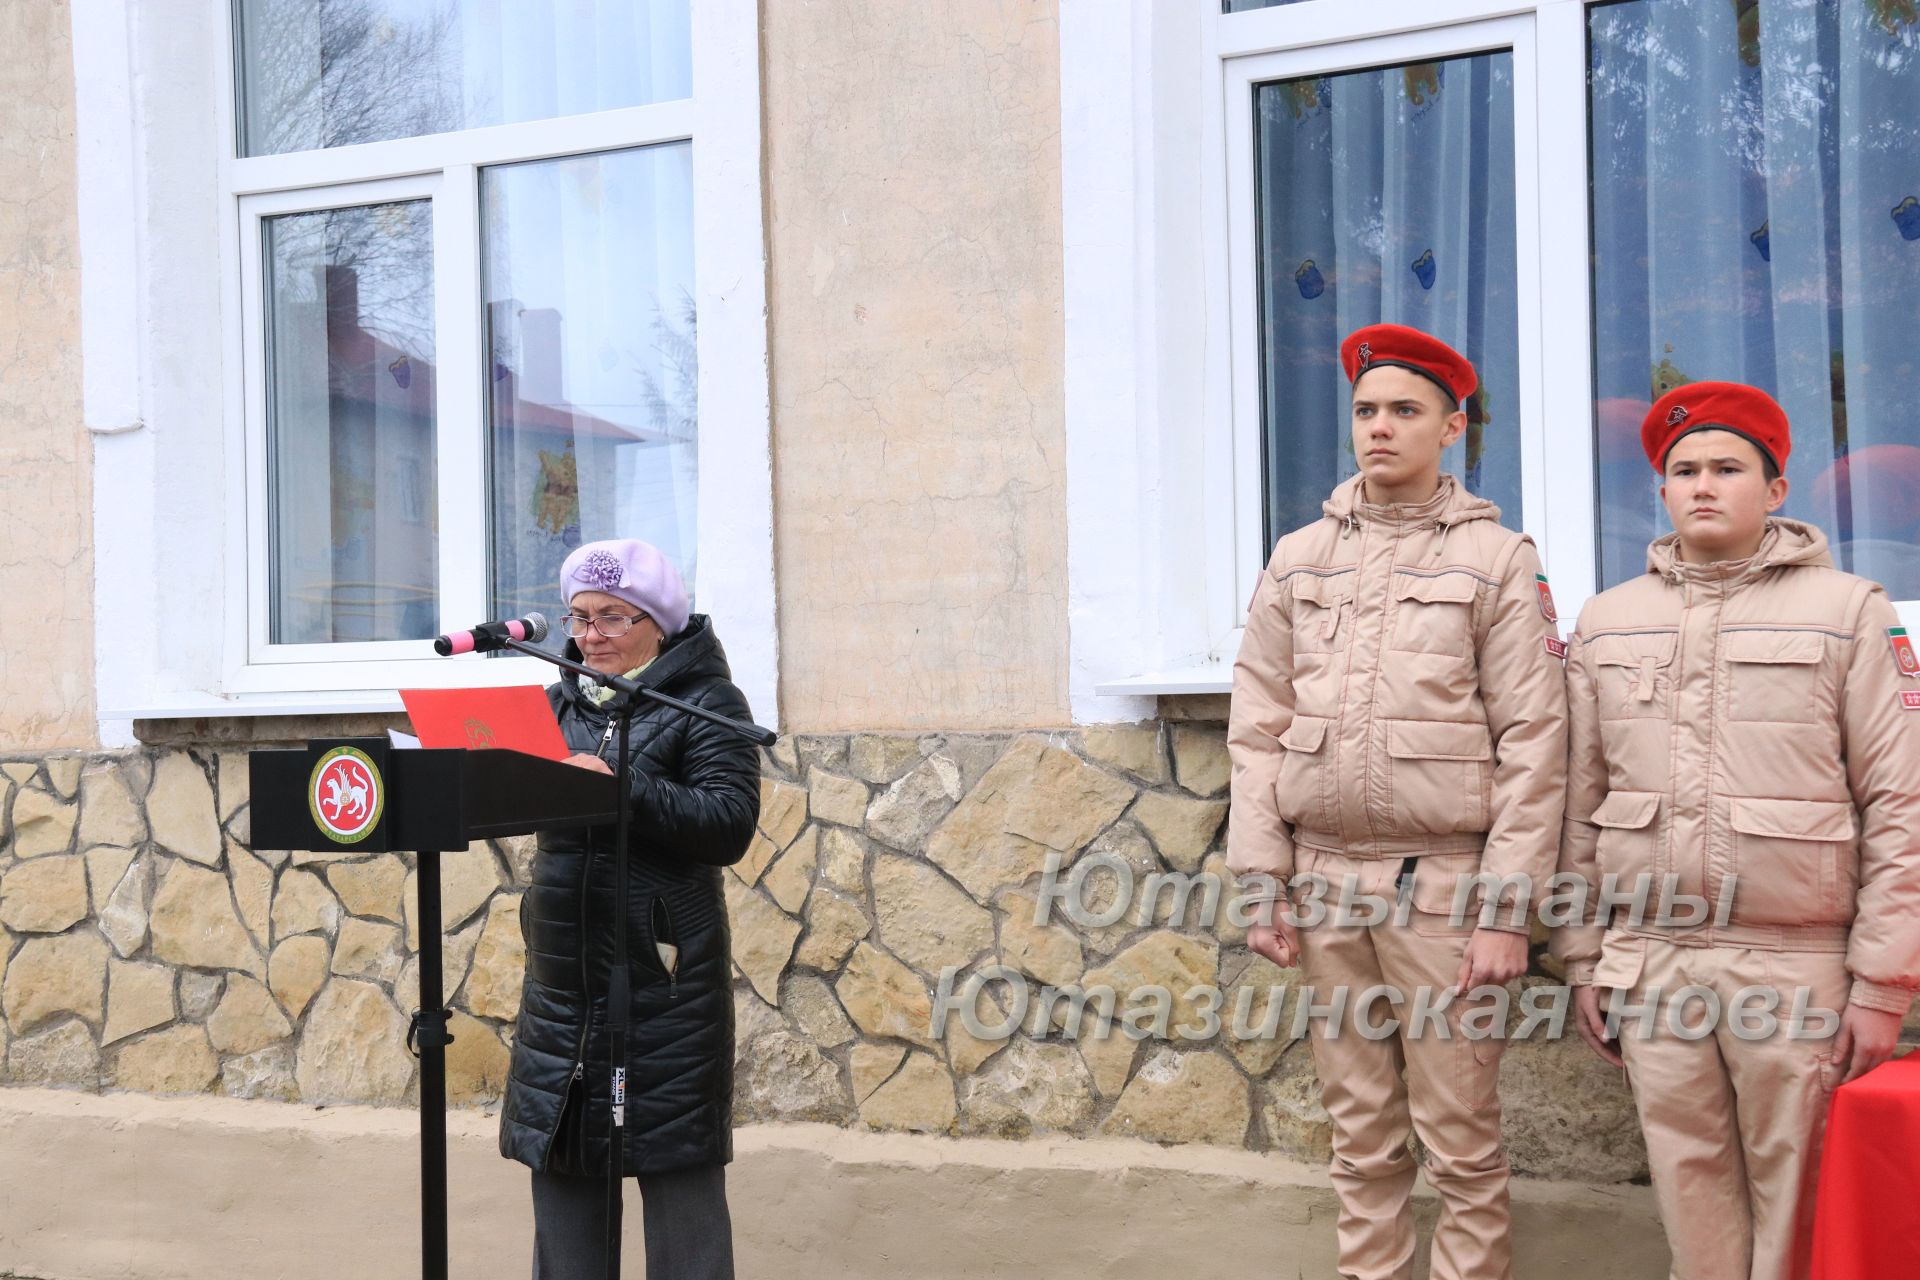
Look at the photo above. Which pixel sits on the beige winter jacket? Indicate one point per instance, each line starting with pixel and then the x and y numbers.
pixel 1397 693
pixel 1744 723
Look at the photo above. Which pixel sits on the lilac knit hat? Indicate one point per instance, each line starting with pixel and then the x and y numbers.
pixel 630 570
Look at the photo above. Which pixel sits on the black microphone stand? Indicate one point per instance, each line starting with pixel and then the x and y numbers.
pixel 619 993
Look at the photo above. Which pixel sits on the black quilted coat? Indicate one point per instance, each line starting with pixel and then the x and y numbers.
pixel 696 795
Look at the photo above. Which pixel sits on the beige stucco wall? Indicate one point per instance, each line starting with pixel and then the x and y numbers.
pixel 46 538
pixel 913 198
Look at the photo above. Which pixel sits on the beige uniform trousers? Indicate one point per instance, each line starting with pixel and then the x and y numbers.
pixel 1449 1094
pixel 1733 1126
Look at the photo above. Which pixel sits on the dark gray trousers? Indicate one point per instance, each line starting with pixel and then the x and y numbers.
pixel 689 1233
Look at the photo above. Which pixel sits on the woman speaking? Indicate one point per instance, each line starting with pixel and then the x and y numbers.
pixel 695 798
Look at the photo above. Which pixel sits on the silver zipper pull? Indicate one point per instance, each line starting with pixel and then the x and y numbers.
pixel 605 738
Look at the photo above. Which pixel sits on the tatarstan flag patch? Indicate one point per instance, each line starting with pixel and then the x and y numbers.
pixel 1546 597
pixel 1903 653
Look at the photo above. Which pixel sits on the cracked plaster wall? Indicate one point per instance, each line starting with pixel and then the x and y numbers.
pixel 46 537
pixel 915 294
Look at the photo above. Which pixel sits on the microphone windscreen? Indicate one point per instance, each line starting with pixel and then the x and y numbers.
pixel 537 627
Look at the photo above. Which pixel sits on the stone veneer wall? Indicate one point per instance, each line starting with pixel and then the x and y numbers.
pixel 144 946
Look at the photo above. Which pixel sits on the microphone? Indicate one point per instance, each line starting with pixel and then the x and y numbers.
pixel 489 636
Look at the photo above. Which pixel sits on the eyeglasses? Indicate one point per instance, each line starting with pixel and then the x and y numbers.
pixel 610 625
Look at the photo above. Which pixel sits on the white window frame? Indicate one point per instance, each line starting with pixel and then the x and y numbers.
pixel 1187 318
pixel 170 221
pixel 250 651
pixel 1164 540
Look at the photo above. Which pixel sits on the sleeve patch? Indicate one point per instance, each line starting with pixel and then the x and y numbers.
pixel 1910 699
pixel 1557 647
pixel 1903 654
pixel 1546 599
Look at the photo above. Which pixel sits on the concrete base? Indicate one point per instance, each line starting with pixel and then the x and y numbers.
pixel 129 1187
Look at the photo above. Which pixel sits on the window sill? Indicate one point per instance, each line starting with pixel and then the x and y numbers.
pixel 202 706
pixel 294 701
pixel 1200 678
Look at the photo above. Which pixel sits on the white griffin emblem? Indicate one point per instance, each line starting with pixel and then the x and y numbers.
pixel 346 793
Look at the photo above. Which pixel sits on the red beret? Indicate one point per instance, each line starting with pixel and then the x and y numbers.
pixel 1405 348
pixel 1715 406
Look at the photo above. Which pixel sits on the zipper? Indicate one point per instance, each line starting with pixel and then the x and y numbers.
pixel 1338 814
pixel 1707 823
pixel 586 994
pixel 586 990
pixel 1373 685
pixel 566 1100
pixel 660 923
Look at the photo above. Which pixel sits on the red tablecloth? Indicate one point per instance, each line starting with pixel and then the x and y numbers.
pixel 1868 1216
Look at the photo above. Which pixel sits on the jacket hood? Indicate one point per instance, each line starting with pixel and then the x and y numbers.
pixel 1787 544
pixel 694 653
pixel 1451 504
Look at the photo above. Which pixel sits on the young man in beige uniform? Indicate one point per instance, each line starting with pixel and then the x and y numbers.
pixel 1399 722
pixel 1745 730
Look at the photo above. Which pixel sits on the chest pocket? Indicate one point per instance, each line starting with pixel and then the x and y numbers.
pixel 1434 615
pixel 1322 613
pixel 1775 676
pixel 1635 675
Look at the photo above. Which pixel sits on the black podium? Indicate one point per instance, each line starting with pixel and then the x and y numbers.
pixel 359 795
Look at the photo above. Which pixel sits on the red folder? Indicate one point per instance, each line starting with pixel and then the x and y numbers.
pixel 516 717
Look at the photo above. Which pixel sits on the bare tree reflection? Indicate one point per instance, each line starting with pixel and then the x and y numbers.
pixel 671 395
pixel 331 73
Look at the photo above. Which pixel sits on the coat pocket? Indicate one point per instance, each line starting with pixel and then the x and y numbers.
pixel 1621 960
pixel 1438 881
pixel 1794 860
pixel 662 950
pixel 1775 676
pixel 1440 776
pixel 1434 615
pixel 1303 789
pixel 1629 845
pixel 1322 609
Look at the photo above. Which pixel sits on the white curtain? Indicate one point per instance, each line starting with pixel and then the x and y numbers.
pixel 329 73
pixel 352 425
pixel 1385 196
pixel 588 278
pixel 1756 208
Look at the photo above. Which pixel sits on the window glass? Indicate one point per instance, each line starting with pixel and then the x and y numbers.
pixel 1756 218
pixel 1384 195
pixel 588 278
pixel 351 425
pixel 331 73
pixel 1242 6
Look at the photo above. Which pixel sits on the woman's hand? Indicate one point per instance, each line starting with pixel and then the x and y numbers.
pixel 593 764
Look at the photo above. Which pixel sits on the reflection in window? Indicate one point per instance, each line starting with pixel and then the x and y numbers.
pixel 350 425
pixel 588 279
pixel 1756 218
pixel 1384 195
pixel 331 73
